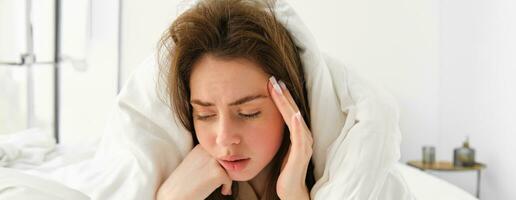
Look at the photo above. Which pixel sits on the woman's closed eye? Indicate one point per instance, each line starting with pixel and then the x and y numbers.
pixel 250 116
pixel 204 117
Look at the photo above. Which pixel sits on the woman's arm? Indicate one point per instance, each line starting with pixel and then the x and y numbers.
pixel 196 177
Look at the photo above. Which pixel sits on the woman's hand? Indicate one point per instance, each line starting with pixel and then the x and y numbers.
pixel 198 175
pixel 291 181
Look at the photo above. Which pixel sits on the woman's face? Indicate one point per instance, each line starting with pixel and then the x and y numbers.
pixel 234 116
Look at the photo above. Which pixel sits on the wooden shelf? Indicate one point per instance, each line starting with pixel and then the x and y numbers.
pixel 444 166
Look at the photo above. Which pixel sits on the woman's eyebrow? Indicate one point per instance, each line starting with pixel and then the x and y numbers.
pixel 235 103
pixel 246 99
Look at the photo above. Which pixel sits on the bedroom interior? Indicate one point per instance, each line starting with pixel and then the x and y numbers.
pixel 448 65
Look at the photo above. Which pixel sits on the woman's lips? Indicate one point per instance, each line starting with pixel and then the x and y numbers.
pixel 235 165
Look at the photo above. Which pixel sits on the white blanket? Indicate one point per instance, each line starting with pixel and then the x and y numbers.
pixel 25 149
pixel 354 126
pixel 17 185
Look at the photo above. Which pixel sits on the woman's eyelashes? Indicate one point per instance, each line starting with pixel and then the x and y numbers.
pixel 250 116
pixel 203 117
pixel 240 115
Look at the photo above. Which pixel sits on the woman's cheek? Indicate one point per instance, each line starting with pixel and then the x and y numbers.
pixel 204 135
pixel 267 136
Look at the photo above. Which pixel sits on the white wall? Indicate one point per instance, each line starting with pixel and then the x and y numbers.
pixel 141 31
pixel 88 95
pixel 478 89
pixel 392 43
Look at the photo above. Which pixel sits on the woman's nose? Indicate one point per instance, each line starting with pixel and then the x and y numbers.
pixel 227 133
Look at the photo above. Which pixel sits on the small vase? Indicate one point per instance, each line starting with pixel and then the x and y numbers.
pixel 464 156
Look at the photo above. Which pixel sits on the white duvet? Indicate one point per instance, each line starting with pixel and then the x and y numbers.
pixel 354 126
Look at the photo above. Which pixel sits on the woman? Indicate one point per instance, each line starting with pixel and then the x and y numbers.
pixel 236 83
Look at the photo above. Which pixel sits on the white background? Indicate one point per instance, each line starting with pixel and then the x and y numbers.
pixel 450 65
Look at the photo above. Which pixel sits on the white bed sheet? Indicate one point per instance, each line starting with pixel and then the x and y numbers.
pixel 66 163
pixel 425 186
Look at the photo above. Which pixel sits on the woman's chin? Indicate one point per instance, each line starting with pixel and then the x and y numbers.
pixel 240 177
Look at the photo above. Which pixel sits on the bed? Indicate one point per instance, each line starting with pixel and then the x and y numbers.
pixel 55 178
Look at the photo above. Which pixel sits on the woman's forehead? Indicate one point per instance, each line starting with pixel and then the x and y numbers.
pixel 226 80
pixel 209 66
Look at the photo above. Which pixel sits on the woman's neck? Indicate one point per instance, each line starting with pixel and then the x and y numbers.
pixel 258 183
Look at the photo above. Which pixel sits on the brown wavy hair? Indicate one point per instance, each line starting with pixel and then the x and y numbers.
pixel 231 29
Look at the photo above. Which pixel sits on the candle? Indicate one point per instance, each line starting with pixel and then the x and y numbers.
pixel 428 154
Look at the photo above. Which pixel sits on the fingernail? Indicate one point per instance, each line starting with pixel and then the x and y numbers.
pixel 282 85
pixel 272 79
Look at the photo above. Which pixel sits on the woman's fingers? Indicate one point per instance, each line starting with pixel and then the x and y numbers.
pixel 226 186
pixel 285 159
pixel 302 141
pixel 279 96
pixel 295 128
pixel 287 94
pixel 223 179
pixel 300 135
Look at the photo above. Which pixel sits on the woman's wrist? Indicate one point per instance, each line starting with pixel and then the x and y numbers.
pixel 162 195
pixel 299 194
pixel 168 195
pixel 304 194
